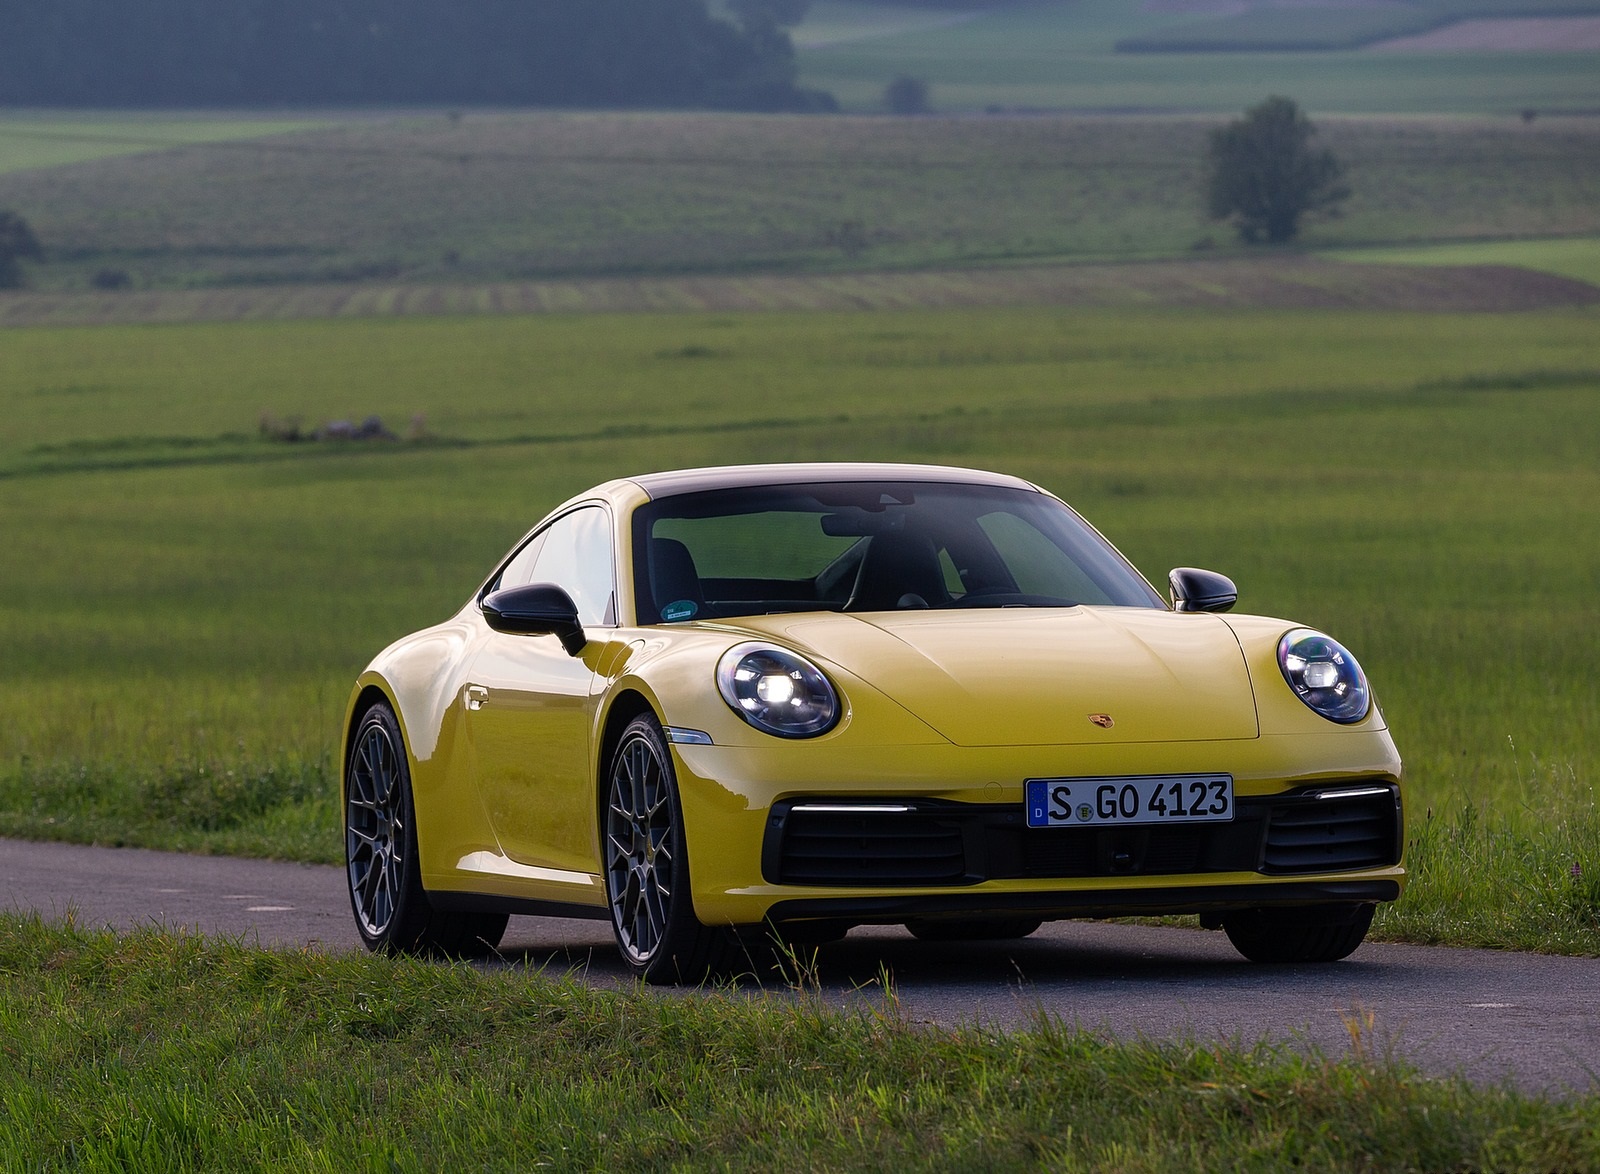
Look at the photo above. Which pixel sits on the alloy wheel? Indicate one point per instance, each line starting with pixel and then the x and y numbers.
pixel 639 847
pixel 375 834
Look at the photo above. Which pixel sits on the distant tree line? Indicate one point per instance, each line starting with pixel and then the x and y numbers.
pixel 604 53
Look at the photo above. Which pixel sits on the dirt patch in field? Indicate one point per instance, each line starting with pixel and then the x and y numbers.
pixel 1300 282
pixel 1552 34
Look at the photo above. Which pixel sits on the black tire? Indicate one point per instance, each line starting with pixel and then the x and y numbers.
pixel 1309 934
pixel 392 911
pixel 972 929
pixel 647 865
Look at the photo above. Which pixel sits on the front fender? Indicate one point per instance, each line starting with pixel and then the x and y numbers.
pixel 421 677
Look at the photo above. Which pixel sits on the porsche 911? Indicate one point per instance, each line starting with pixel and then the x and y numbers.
pixel 786 700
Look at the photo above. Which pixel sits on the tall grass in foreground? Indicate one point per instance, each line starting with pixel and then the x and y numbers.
pixel 1486 878
pixel 183 607
pixel 161 1052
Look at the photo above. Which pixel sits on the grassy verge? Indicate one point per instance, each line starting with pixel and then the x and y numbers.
pixel 161 1052
pixel 1501 880
pixel 287 810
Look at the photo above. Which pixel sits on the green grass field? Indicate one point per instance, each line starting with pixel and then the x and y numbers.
pixel 1055 55
pixel 1576 257
pixel 34 141
pixel 562 196
pixel 153 1053
pixel 1328 26
pixel 183 604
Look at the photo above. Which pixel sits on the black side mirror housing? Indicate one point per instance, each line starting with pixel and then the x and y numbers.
pixel 539 609
pixel 1196 590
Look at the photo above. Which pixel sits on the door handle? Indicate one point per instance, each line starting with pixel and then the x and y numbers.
pixel 476 696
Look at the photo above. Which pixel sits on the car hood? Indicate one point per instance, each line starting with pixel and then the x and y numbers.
pixel 1058 676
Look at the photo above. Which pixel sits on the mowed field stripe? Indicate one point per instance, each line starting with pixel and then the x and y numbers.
pixel 1277 282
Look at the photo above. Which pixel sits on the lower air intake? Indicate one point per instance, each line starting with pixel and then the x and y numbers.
pixel 1330 831
pixel 872 848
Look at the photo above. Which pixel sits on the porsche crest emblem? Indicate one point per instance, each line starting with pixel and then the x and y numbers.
pixel 1103 720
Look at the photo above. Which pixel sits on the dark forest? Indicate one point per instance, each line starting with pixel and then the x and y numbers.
pixel 596 53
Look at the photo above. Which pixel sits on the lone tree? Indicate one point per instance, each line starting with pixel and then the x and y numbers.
pixel 17 243
pixel 906 95
pixel 1264 175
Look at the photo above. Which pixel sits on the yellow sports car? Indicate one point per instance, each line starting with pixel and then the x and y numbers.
pixel 791 699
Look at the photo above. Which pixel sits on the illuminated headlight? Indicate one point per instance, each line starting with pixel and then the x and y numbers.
pixel 1324 675
pixel 777 691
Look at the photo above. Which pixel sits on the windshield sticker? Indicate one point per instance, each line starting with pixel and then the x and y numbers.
pixel 682 609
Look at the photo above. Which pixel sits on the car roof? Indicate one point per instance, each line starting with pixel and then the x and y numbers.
pixel 670 484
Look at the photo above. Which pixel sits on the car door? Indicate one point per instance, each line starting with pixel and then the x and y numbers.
pixel 529 706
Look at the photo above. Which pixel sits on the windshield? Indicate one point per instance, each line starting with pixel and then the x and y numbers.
pixel 870 546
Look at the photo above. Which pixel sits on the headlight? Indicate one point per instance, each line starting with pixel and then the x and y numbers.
pixel 777 691
pixel 1324 675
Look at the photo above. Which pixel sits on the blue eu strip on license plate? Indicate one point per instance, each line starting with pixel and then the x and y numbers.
pixel 1089 802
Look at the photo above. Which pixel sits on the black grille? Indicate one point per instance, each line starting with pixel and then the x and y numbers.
pixel 928 842
pixel 1065 852
pixel 1331 835
pixel 871 848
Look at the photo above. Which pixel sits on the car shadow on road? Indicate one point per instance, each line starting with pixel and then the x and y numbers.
pixel 1085 957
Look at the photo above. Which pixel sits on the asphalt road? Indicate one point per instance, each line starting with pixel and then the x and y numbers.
pixel 1491 1016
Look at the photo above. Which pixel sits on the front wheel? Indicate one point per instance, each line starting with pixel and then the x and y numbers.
pixel 647 865
pixel 1317 933
pixel 393 915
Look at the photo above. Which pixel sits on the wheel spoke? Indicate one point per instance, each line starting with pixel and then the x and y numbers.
pixel 655 906
pixel 370 882
pixel 619 851
pixel 381 901
pixel 636 780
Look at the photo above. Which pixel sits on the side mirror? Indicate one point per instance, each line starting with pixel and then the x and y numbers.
pixel 1197 590
pixel 539 609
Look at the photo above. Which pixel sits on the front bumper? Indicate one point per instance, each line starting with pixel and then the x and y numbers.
pixel 932 831
pixel 1307 831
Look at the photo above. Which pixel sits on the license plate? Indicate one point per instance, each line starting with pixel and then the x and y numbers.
pixel 1150 799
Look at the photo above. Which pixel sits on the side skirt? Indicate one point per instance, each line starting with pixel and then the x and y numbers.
pixel 456 902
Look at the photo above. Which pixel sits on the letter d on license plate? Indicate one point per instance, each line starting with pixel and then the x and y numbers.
pixel 1145 799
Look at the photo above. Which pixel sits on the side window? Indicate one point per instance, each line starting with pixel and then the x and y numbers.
pixel 519 571
pixel 575 554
